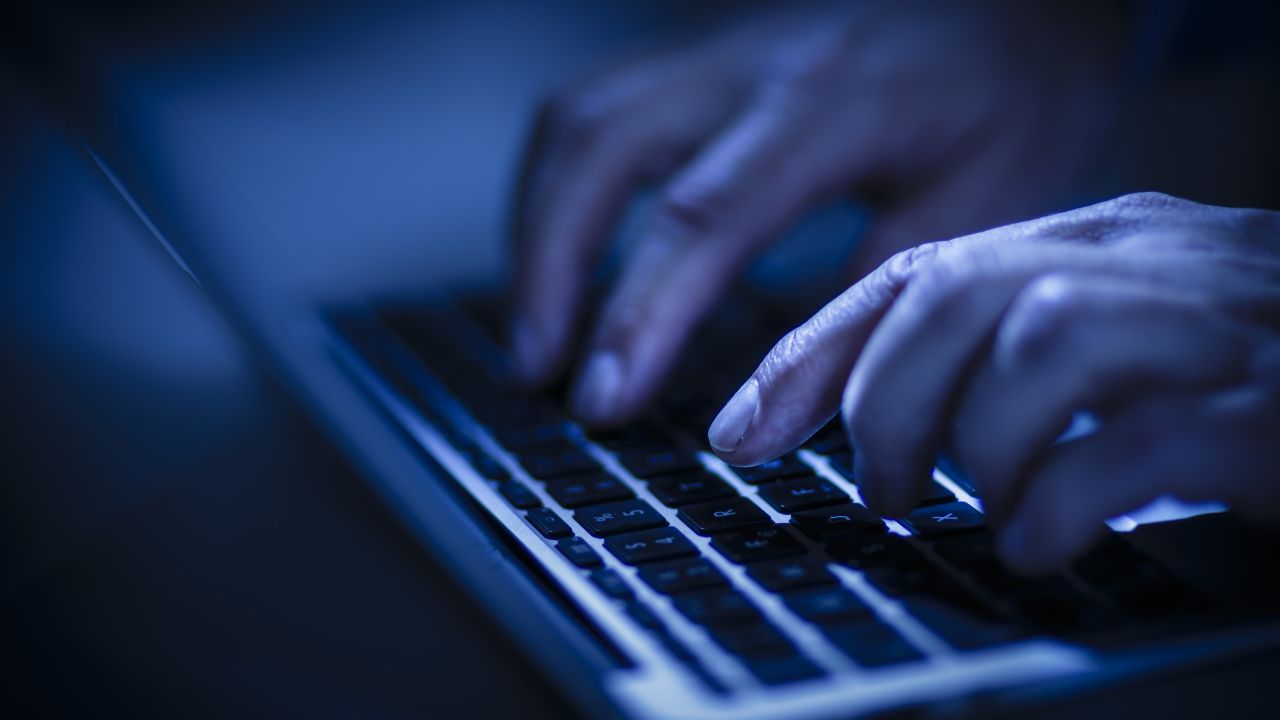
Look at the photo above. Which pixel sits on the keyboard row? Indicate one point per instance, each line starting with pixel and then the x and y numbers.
pixel 946 575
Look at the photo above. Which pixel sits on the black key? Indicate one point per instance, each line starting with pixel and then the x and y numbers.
pixel 966 551
pixel 524 437
pixel 618 517
pixel 784 670
pixel 588 490
pixel 784 467
pixel 645 546
pixel 486 465
pixel 645 617
pixel 926 580
pixel 786 575
pixel 612 584
pixel 871 643
pixel 678 490
pixel 579 552
pixel 935 494
pixel 722 515
pixel 962 628
pixel 518 495
pixel 716 607
pixel 865 551
pixel 974 555
pixel 828 522
pixel 636 435
pixel 938 520
pixel 755 640
pixel 682 576
pixel 647 463
pixel 548 523
pixel 827 606
pixel 759 544
pixel 791 496
pixel 558 462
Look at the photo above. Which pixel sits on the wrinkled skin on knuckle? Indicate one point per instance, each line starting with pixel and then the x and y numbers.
pixel 695 206
pixel 1040 318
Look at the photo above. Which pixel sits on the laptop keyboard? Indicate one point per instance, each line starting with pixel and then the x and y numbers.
pixel 780 566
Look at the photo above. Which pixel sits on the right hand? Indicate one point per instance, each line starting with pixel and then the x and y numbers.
pixel 953 117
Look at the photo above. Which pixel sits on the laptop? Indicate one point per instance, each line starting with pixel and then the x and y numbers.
pixel 646 578
pixel 649 579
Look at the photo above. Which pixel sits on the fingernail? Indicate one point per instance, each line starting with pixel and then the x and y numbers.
pixel 526 346
pixel 731 425
pixel 597 394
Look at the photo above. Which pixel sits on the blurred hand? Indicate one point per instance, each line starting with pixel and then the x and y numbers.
pixel 951 118
pixel 1159 316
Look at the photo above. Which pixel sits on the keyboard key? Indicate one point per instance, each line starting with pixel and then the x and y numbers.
pixel 939 520
pixel 926 580
pixel 612 584
pixel 791 496
pixel 636 435
pixel 645 617
pixel 647 463
pixel 579 552
pixel 524 437
pixel 962 628
pixel 682 576
pixel 545 465
pixel 783 467
pixel 935 494
pixel 618 517
pixel 486 465
pixel 871 643
pixel 548 523
pixel 680 490
pixel 787 575
pixel 755 640
pixel 645 546
pixel 966 551
pixel 828 522
pixel 865 551
pixel 759 544
pixel 722 515
pixel 589 490
pixel 519 495
pixel 827 606
pixel 716 607
pixel 784 670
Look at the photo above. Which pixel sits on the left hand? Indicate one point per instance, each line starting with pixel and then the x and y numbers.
pixel 1158 315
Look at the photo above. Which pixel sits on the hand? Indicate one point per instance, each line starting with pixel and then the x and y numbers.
pixel 953 117
pixel 1159 316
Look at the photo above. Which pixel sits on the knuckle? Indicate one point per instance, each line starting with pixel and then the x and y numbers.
pixel 1042 315
pixel 697 206
pixel 947 291
pixel 1144 200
